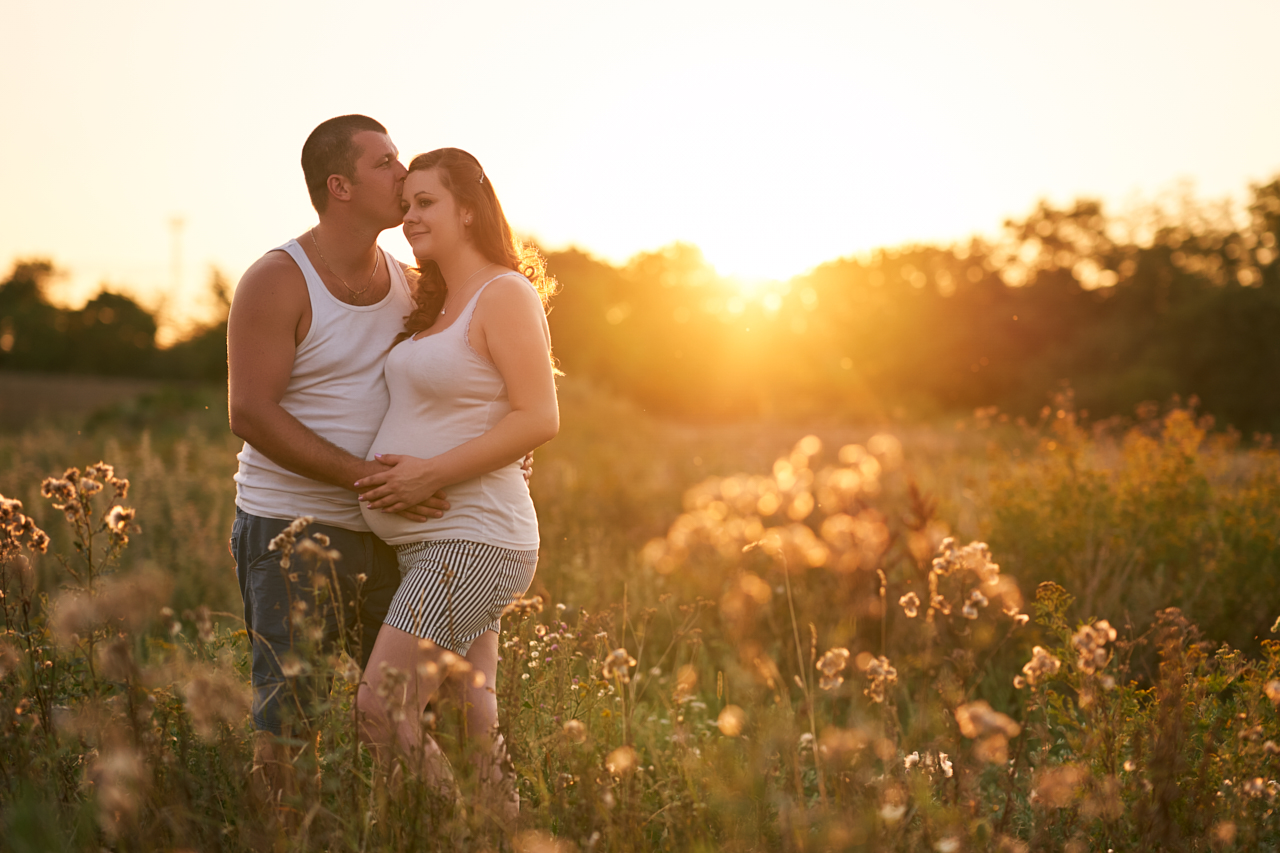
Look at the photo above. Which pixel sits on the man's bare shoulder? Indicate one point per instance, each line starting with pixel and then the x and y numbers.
pixel 275 278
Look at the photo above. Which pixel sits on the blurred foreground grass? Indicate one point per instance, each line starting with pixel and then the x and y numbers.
pixel 757 636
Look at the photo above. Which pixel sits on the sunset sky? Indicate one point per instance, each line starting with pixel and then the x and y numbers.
pixel 774 136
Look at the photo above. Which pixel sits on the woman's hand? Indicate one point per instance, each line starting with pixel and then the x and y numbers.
pixel 408 482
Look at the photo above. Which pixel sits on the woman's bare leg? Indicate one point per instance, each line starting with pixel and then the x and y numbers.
pixel 476 692
pixel 402 676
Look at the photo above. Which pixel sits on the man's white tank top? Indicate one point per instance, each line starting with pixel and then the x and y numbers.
pixel 443 394
pixel 337 390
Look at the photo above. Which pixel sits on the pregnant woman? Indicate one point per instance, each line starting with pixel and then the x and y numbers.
pixel 472 391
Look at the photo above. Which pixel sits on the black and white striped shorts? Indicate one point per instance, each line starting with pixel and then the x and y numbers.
pixel 452 591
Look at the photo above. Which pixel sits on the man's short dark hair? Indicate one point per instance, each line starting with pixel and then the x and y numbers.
pixel 329 150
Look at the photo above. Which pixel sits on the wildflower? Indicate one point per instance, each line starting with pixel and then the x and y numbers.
pixel 835 743
pixel 115 659
pixel 284 542
pixel 348 669
pixel 1090 641
pixel 892 812
pixel 9 659
pixel 911 760
pixel 944 763
pixel 522 607
pixel 969 611
pixel 60 492
pixel 1224 832
pixel 731 721
pixel 312 549
pixel 831 664
pixel 880 673
pixel 940 604
pixel 989 728
pixel 893 805
pixel 1272 689
pixel 616 664
pixel 15 527
pixel 621 761
pixel 118 776
pixel 536 841
pixel 1271 748
pixel 910 604
pixel 575 731
pixel 950 844
pixel 392 691
pixel 204 624
pixel 977 719
pixel 1255 787
pixel 215 697
pixel 291 666
pixel 1056 787
pixel 1041 666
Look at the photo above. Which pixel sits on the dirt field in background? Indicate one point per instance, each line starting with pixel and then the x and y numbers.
pixel 29 397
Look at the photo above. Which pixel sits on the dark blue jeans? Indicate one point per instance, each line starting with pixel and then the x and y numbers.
pixel 307 607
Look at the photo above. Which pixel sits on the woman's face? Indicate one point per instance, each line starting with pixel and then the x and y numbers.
pixel 433 222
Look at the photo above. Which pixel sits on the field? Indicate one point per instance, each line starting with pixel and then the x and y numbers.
pixel 756 636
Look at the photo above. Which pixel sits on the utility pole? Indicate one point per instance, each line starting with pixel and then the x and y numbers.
pixel 176 224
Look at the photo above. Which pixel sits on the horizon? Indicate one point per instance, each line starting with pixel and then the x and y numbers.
pixel 872 128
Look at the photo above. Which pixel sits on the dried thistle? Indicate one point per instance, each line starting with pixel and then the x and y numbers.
pixel 616 665
pixel 215 697
pixel 831 664
pixel 287 538
pixel 1041 666
pixel 880 674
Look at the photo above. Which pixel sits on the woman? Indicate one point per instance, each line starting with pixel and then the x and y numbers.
pixel 472 391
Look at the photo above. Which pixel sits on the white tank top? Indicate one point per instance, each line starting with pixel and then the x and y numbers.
pixel 337 390
pixel 443 394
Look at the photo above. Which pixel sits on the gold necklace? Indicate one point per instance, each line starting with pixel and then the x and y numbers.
pixel 465 282
pixel 355 294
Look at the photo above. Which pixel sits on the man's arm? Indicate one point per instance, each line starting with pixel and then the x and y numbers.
pixel 269 314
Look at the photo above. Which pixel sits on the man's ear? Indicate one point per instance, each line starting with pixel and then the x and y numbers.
pixel 339 187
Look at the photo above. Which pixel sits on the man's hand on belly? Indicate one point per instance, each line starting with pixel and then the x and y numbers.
pixel 433 507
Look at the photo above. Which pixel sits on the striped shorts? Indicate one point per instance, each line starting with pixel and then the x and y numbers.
pixel 452 591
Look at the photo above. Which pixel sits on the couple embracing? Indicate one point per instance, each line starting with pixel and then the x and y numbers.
pixel 393 406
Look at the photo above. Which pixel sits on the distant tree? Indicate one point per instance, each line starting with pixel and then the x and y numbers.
pixel 33 332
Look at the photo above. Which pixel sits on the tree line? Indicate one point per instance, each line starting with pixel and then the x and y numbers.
pixel 1124 309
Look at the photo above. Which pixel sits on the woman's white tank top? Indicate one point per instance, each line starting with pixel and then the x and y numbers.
pixel 443 394
pixel 337 390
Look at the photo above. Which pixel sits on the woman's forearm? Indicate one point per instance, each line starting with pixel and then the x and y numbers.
pixel 410 478
pixel 518 433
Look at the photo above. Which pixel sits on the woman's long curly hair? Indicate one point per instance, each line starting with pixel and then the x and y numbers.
pixel 463 176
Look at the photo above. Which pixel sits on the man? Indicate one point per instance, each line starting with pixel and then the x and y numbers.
pixel 310 326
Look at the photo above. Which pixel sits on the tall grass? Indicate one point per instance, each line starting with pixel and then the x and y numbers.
pixel 746 637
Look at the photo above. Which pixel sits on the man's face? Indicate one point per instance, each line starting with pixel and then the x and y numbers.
pixel 379 178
